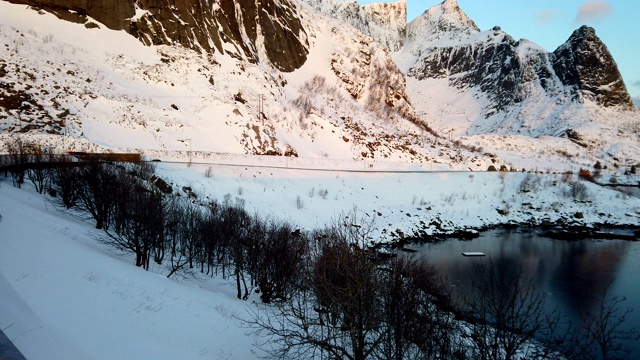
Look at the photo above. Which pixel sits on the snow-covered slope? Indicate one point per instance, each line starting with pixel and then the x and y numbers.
pixel 483 84
pixel 348 100
pixel 63 295
pixel 310 78
pixel 385 22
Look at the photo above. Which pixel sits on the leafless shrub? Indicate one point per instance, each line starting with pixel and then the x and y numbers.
pixel 530 183
pixel 323 193
pixel 299 203
pixel 507 313
pixel 605 334
pixel 355 308
pixel 578 191
pixel 65 182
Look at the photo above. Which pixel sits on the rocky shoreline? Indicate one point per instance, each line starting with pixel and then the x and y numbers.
pixel 599 231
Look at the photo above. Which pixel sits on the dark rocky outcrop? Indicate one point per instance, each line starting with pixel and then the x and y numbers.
pixel 510 71
pixel 231 27
pixel 386 23
pixel 493 66
pixel 114 14
pixel 585 64
pixel 491 61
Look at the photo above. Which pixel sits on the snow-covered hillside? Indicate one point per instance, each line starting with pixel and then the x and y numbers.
pixel 63 295
pixel 352 127
pixel 483 87
pixel 349 99
pixel 66 295
pixel 119 94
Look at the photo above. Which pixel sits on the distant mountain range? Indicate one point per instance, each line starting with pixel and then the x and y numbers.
pixel 315 78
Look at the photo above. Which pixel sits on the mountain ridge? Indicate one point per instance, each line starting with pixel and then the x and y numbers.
pixel 332 76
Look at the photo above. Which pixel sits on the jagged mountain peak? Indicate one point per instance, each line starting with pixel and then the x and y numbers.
pixel 450 5
pixel 444 22
pixel 385 22
pixel 448 16
pixel 493 84
pixel 585 64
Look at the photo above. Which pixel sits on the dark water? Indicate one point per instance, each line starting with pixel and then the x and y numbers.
pixel 572 274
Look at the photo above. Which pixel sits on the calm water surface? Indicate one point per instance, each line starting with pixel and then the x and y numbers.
pixel 573 274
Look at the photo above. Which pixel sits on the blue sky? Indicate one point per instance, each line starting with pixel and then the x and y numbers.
pixel 549 23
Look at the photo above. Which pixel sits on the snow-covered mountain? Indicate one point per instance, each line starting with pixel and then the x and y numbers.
pixel 476 83
pixel 309 78
pixel 385 22
pixel 446 44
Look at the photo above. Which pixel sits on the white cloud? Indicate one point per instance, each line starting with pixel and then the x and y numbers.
pixel 593 11
pixel 545 16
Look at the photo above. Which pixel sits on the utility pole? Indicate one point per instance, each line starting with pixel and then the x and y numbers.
pixel 261 108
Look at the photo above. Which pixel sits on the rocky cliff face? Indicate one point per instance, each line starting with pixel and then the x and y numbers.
pixel 114 14
pixel 508 71
pixel 584 64
pixel 386 23
pixel 449 46
pixel 370 76
pixel 233 27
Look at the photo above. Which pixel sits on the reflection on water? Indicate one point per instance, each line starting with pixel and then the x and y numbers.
pixel 573 274
pixel 585 270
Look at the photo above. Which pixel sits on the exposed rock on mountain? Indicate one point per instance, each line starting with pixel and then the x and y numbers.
pixel 114 14
pixel 491 65
pixel 225 26
pixel 585 65
pixel 280 77
pixel 448 45
pixel 370 76
pixel 385 22
pixel 442 22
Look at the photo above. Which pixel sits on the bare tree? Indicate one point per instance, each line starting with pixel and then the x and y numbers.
pixel 209 237
pixel 233 229
pixel 346 290
pixel 184 232
pixel 506 313
pixel 276 263
pixel 66 181
pixel 37 170
pixel 418 322
pixel 606 334
pixel 337 313
pixel 19 151
pixel 137 218
pixel 98 193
